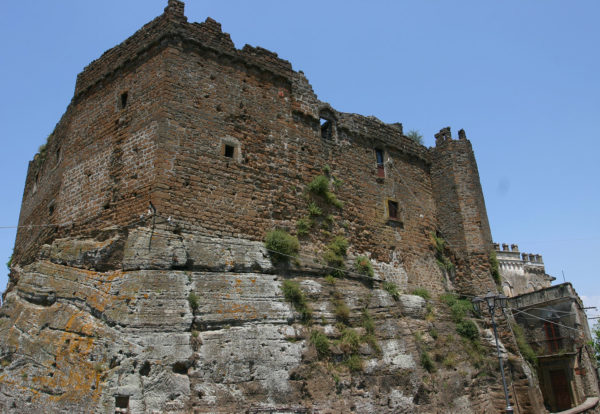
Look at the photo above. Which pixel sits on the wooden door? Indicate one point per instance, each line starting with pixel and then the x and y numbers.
pixel 560 387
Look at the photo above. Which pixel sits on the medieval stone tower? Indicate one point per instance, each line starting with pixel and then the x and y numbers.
pixel 141 281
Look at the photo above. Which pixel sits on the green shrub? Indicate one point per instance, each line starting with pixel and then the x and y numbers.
pixel 303 225
pixel 424 293
pixel 363 266
pixel 339 245
pixel 427 362
pixel 392 289
pixel 292 292
pixel 467 329
pixel 294 295
pixel 326 169
pixel 459 308
pixel 321 343
pixel 354 363
pixel 595 343
pixel 319 185
pixel 281 245
pixel 194 301
pixel 524 347
pixel 9 263
pixel 314 210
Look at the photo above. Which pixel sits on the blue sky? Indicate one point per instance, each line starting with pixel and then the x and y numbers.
pixel 521 77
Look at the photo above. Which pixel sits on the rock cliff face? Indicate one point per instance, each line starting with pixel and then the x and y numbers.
pixel 224 338
pixel 141 282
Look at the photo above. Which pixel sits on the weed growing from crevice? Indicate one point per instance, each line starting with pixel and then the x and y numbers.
pixel 392 289
pixel 293 294
pixel 194 301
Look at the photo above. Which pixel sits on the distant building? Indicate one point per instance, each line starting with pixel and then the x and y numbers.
pixel 556 328
pixel 521 272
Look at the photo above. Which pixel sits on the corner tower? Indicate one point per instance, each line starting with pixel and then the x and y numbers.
pixel 461 212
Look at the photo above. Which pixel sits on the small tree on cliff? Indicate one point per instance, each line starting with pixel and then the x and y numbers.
pixel 596 340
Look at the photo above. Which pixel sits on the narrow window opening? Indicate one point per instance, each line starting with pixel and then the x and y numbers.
pixel 121 404
pixel 123 100
pixel 392 210
pixel 326 128
pixel 552 337
pixel 229 151
pixel 380 166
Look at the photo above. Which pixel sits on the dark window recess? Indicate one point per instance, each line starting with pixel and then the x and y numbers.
pixel 229 150
pixel 380 167
pixel 326 128
pixel 122 403
pixel 392 210
pixel 123 101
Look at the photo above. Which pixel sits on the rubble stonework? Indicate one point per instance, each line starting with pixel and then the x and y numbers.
pixel 140 281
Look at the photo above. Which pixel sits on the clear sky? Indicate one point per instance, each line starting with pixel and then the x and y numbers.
pixel 521 77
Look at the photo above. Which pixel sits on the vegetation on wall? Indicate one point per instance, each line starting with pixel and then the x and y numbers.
pixel 494 268
pixel 459 310
pixel 9 263
pixel 293 294
pixel 524 347
pixel 319 186
pixel 363 265
pixel 334 255
pixel 439 245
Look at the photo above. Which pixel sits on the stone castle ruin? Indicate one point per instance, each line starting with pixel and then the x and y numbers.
pixel 141 282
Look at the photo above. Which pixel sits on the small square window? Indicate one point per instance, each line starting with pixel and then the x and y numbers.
pixel 229 151
pixel 393 210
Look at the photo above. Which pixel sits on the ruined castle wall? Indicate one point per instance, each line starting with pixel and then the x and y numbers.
pixel 216 100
